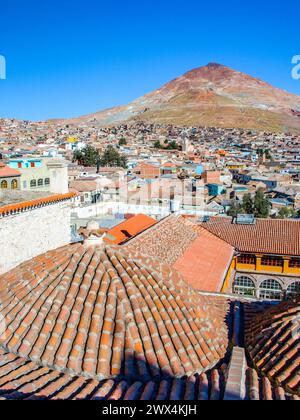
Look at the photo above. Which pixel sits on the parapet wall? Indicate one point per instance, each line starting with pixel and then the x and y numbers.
pixel 29 233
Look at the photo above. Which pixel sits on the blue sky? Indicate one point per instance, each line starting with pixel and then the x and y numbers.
pixel 69 58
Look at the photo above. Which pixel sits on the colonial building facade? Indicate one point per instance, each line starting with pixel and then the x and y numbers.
pixel 9 178
pixel 41 174
pixel 266 264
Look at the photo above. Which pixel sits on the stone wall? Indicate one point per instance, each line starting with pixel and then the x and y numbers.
pixel 34 232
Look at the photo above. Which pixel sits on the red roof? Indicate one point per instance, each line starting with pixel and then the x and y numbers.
pixel 205 263
pixel 266 236
pixel 129 229
pixel 199 256
pixel 108 313
pixel 273 343
pixel 7 172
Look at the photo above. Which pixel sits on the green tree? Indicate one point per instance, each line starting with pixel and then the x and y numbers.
pixel 264 152
pixel 111 157
pixel 157 144
pixel 78 157
pixel 88 156
pixel 248 204
pixel 172 145
pixel 268 154
pixel 122 142
pixel 262 205
pixel 260 152
pixel 235 209
pixel 287 213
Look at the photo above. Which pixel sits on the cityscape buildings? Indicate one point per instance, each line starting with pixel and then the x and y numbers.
pixel 145 260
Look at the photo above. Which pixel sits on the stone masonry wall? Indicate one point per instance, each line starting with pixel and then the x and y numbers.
pixel 32 233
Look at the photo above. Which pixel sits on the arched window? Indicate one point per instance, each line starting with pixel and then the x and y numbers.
pixel 14 184
pixel 244 286
pixel 270 290
pixel 293 290
pixel 33 183
pixel 47 181
pixel 4 185
pixel 40 182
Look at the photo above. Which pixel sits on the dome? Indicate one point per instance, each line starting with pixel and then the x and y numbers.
pixel 103 312
pixel 273 343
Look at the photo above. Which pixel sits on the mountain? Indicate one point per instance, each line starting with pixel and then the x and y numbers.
pixel 213 95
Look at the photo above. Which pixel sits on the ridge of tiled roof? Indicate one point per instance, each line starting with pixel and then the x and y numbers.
pixel 102 312
pixel 166 241
pixel 202 258
pixel 273 343
pixel 39 202
pixel 267 236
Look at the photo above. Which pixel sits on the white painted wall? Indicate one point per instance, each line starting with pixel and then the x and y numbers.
pixel 32 233
pixel 58 170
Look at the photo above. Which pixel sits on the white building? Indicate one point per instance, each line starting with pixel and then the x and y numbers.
pixel 30 228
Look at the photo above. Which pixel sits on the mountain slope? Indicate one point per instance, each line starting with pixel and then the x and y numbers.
pixel 213 95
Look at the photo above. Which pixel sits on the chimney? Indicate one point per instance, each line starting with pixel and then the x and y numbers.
pixel 93 240
pixel 93 236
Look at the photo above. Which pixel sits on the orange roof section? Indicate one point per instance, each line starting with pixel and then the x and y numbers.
pixel 129 229
pixel 6 171
pixel 110 318
pixel 273 343
pixel 205 264
pixel 11 208
pixel 199 256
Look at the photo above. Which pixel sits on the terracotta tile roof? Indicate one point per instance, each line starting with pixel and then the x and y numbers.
pixel 273 342
pixel 205 263
pixel 267 236
pixel 39 202
pixel 21 379
pixel 106 323
pixel 260 388
pixel 7 172
pixel 202 258
pixel 166 241
pixel 24 380
pixel 104 312
pixel 84 185
pixel 129 229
